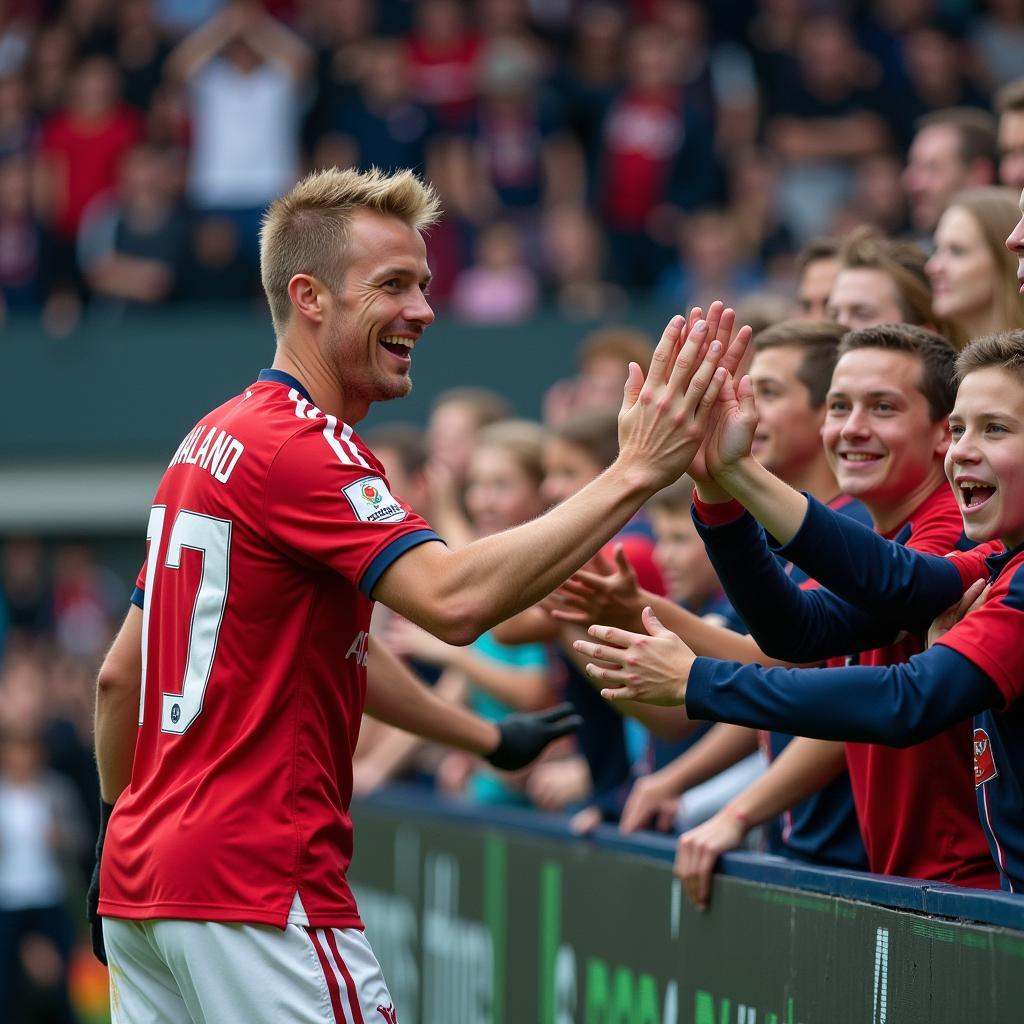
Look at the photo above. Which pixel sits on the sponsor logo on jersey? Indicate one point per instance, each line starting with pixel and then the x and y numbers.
pixel 388 1013
pixel 984 762
pixel 372 502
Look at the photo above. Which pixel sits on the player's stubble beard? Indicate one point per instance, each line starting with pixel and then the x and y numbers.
pixel 356 368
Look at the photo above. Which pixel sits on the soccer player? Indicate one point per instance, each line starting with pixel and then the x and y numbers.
pixel 886 434
pixel 229 704
pixel 975 668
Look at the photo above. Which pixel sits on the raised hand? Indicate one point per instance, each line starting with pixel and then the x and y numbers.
pixel 652 668
pixel 731 433
pixel 698 850
pixel 600 594
pixel 664 415
pixel 523 735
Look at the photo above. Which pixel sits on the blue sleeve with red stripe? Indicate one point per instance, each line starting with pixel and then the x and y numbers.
pixel 897 705
pixel 788 622
pixel 871 572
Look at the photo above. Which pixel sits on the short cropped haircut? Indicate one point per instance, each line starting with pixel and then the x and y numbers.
pixel 677 497
pixel 1010 98
pixel 628 344
pixel 817 249
pixel 818 340
pixel 522 439
pixel 1004 350
pixel 306 230
pixel 487 406
pixel 975 128
pixel 596 431
pixel 937 356
pixel 866 248
pixel 405 440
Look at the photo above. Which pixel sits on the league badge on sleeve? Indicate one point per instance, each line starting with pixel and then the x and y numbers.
pixel 372 502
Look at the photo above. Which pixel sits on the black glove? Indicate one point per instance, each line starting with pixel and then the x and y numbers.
pixel 92 897
pixel 525 734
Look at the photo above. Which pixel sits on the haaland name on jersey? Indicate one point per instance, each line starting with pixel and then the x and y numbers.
pixel 217 452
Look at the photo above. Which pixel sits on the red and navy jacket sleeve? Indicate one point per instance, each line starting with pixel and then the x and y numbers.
pixel 991 638
pixel 340 514
pixel 788 622
pixel 897 705
pixel 891 580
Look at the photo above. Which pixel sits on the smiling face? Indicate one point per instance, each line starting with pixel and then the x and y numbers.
pixel 788 426
pixel 985 461
pixel 962 270
pixel 864 297
pixel 380 312
pixel 500 493
pixel 880 440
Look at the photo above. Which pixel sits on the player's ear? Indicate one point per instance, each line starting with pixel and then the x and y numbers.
pixel 309 296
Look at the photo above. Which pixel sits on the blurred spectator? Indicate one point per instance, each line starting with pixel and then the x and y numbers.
pixel 953 149
pixel 91 24
pixel 880 281
pixel 140 49
pixel 25 587
pixel 1010 104
pixel 973 274
pixel 442 55
pixel 603 358
pixel 403 453
pixel 822 119
pixel 817 264
pixel 709 264
pixel 457 416
pixel 878 197
pixel 132 245
pixel 86 598
pixel 80 154
pixel 15 39
pixel 218 268
pixel 21 240
pixel 998 36
pixel 245 74
pixel 761 310
pixel 379 124
pixel 53 56
pixel 17 124
pixel 657 160
pixel 763 239
pixel 500 288
pixel 178 17
pixel 574 255
pixel 42 832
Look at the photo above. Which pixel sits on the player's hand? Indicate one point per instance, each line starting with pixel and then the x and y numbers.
pixel 652 668
pixel 652 803
pixel 974 597
pixel 663 416
pixel 554 785
pixel 600 593
pixel 524 735
pixel 92 896
pixel 698 850
pixel 731 432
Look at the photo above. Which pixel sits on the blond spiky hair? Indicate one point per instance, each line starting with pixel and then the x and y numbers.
pixel 306 230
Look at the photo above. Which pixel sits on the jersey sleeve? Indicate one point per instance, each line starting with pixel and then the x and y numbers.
pixel 138 597
pixel 881 576
pixel 340 513
pixel 991 636
pixel 897 705
pixel 788 622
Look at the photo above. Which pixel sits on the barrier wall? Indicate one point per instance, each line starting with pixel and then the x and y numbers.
pixel 511 920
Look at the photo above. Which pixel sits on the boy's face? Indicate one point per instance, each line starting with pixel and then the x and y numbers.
pixel 788 426
pixel 684 564
pixel 879 438
pixel 985 461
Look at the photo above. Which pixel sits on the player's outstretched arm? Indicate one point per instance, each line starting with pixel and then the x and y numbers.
pixel 396 696
pixel 804 767
pixel 459 594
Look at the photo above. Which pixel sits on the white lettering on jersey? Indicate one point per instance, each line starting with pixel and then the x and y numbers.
pixel 372 502
pixel 218 453
pixel 360 648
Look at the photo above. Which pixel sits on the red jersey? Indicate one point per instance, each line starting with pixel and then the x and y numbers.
pixel 916 805
pixel 270 528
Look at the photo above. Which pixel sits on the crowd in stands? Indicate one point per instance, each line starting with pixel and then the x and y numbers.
pixel 588 152
pixel 823 173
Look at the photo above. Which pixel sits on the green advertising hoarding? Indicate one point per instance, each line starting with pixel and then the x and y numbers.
pixel 476 923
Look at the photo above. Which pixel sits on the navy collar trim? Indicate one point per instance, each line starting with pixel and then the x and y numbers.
pixel 998 562
pixel 280 377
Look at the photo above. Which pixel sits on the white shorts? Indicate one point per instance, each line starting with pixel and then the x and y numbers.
pixel 204 972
